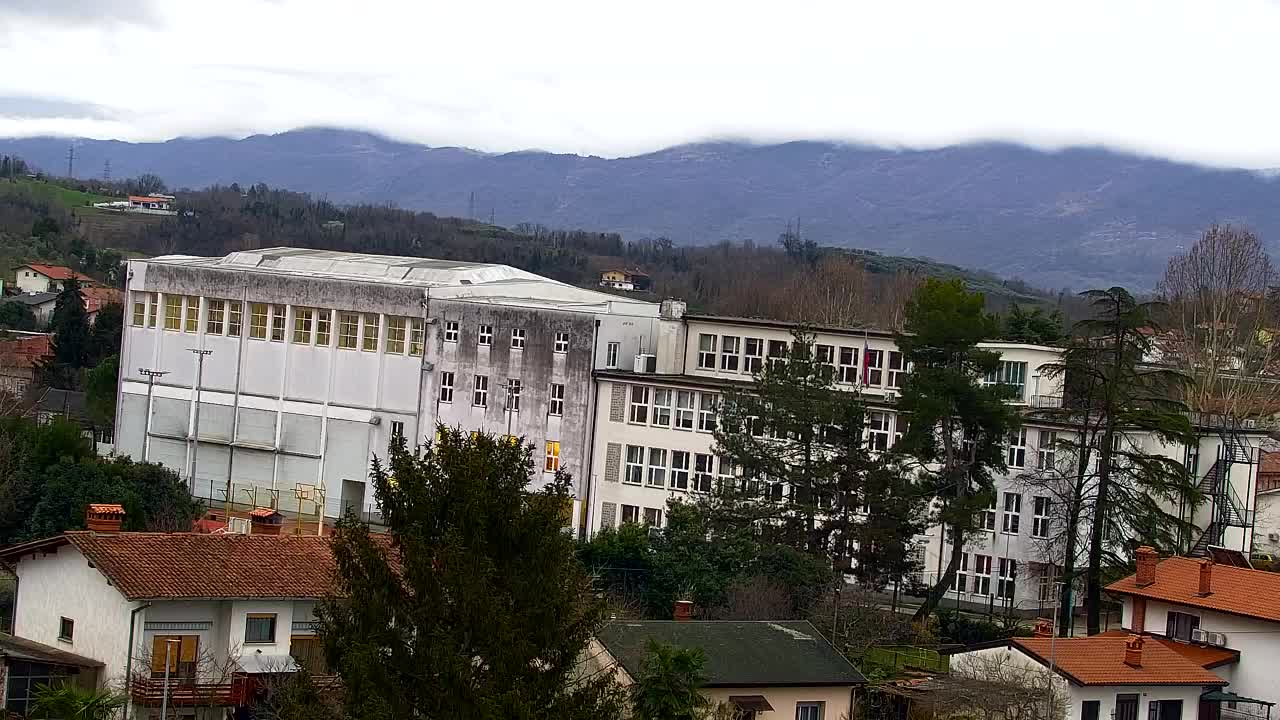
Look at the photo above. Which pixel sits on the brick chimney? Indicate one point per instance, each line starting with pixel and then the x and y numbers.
pixel 1043 628
pixel 265 521
pixel 1206 578
pixel 1139 621
pixel 104 518
pixel 683 611
pixel 1146 559
pixel 1133 651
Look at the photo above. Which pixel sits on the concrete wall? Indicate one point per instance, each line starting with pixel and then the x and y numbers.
pixel 837 701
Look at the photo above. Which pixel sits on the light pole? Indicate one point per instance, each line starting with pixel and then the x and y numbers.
pixel 164 695
pixel 195 432
pixel 146 427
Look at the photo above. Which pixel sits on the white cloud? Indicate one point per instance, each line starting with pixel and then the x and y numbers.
pixel 1186 79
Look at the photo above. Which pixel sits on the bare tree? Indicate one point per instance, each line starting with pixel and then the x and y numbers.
pixel 1220 332
pixel 1006 686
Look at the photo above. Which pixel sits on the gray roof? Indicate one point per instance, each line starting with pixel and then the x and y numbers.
pixel 12 646
pixel 738 653
pixel 39 298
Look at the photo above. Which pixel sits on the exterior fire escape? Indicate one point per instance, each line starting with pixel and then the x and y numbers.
pixel 1226 508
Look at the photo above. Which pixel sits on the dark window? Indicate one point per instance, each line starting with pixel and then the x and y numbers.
pixel 1179 626
pixel 22 680
pixel 1164 710
pixel 1089 709
pixel 66 629
pixel 260 628
pixel 1126 707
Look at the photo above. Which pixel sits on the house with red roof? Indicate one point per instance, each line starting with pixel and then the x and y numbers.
pixel 39 278
pixel 20 357
pixel 216 610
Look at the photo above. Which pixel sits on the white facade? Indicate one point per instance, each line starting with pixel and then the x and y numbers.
pixel 316 359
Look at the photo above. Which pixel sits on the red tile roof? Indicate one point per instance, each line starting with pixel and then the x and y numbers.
pixel 1269 462
pixel 1206 656
pixel 26 352
pixel 1099 660
pixel 57 272
pixel 96 297
pixel 102 508
pixel 1238 591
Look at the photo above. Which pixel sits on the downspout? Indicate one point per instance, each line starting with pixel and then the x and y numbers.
pixel 591 436
pixel 128 663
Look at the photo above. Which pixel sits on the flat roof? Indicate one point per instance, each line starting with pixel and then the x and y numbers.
pixel 445 279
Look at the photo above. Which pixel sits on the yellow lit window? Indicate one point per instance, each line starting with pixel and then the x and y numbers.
pixel 213 325
pixel 347 331
pixel 258 321
pixel 395 335
pixel 153 310
pixel 415 337
pixel 173 312
pixel 324 323
pixel 553 455
pixel 370 333
pixel 193 314
pixel 277 323
pixel 139 309
pixel 234 319
pixel 302 325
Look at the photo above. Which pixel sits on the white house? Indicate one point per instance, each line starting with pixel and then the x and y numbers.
pixel 222 608
pixel 39 278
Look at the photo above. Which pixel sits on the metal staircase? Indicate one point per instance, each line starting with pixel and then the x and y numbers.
pixel 1226 509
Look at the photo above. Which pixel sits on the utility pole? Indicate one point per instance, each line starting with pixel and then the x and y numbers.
pixel 146 435
pixel 71 159
pixel 195 431
pixel 164 696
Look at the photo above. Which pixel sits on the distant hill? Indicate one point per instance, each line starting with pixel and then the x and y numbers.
pixel 1078 218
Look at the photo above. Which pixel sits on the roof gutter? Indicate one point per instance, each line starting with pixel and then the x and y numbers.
pixel 128 663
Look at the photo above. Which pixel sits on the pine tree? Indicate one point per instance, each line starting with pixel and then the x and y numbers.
pixel 72 345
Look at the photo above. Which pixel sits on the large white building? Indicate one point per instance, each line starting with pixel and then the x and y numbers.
pixel 315 359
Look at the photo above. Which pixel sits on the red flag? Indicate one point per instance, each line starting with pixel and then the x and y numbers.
pixel 866 364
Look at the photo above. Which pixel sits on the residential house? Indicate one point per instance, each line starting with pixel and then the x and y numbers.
pixel 767 670
pixel 217 610
pixel 624 280
pixel 1197 603
pixel 26 665
pixel 1266 537
pixel 40 278
pixel 21 354
pixel 43 304
pixel 151 202
pixel 70 405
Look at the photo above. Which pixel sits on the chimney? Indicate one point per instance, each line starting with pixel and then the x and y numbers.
pixel 1133 651
pixel 1043 628
pixel 683 611
pixel 1139 621
pixel 1206 578
pixel 266 521
pixel 1147 559
pixel 104 518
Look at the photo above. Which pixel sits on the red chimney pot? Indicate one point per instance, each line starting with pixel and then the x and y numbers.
pixel 683 611
pixel 104 517
pixel 1133 651
pixel 1146 558
pixel 1206 578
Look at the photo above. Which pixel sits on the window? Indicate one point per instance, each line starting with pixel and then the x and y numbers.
pixel 960 583
pixel 702 465
pixel 1041 506
pixel 1046 449
pixel 193 315
pixel 397 429
pixel 635 465
pixel 1179 625
pixel 657 476
pixel 639 412
pixel 302 321
pixel 556 406
pixel 826 354
pixel 485 336
pixel 611 355
pixel 1008 577
pixel 630 514
pixel 324 327
pixel 66 629
pixel 653 517
pixel 277 323
pixel 679 470
pixel 553 456
pixel 777 351
pixel 235 318
pixel 707 352
pixel 173 312
pixel 706 412
pixel 684 409
pixel 415 337
pixel 513 395
pixel 896 369
pixel 874 360
pixel 369 339
pixel 562 343
pixel 217 313
pixel 22 681
pixel 981 574
pixel 848 368
pixel 1011 518
pixel 662 407
pixel 809 710
pixel 258 321
pixel 729 348
pixel 1167 710
pixel 446 387
pixel 395 335
pixel 988 518
pixel 139 309
pixel 1017 448
pixel 728 471
pixel 260 628
pixel 1126 707
pixel 753 355
pixel 1089 709
pixel 451 331
pixel 480 396
pixel 1012 374
pixel 348 330
pixel 878 431
pixel 900 427
pixel 517 338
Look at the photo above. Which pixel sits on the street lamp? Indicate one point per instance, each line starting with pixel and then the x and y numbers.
pixel 151 376
pixel 164 695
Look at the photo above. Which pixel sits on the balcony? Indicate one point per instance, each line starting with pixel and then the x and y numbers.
pixel 1046 402
pixel 187 693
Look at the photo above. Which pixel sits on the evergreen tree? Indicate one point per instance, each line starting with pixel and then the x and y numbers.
pixel 16 316
pixel 473 604
pixel 71 334
pixel 668 686
pixel 958 427
pixel 107 332
pixel 1037 326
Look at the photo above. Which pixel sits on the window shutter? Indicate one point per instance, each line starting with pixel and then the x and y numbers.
pixel 608 515
pixel 618 403
pixel 613 462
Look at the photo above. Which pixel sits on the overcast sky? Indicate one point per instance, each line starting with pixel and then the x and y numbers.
pixel 1188 79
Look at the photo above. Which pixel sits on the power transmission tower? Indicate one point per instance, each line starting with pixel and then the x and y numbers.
pixel 471 206
pixel 71 159
pixel 106 170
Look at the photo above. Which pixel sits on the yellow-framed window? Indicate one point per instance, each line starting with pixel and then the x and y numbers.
pixel 348 331
pixel 553 456
pixel 139 309
pixel 369 339
pixel 214 322
pixel 324 327
pixel 302 318
pixel 258 321
pixel 173 312
pixel 277 323
pixel 415 337
pixel 193 314
pixel 234 318
pixel 395 335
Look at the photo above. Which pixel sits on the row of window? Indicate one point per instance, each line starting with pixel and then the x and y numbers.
pixel 519 338
pixel 678 409
pixel 976 578
pixel 1010 511
pixel 732 353
pixel 674 469
pixel 512 393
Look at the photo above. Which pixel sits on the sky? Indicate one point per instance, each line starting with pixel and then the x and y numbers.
pixel 1188 80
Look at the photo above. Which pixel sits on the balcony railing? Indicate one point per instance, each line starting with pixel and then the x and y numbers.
pixel 1046 402
pixel 186 693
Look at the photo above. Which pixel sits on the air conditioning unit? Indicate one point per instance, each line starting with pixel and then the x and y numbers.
pixel 1209 638
pixel 890 395
pixel 237 526
pixel 646 363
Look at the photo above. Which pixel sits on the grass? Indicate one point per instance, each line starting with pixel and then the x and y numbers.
pixel 895 659
pixel 66 197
